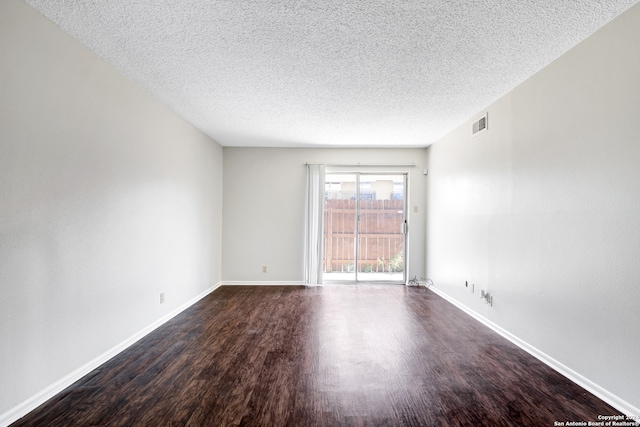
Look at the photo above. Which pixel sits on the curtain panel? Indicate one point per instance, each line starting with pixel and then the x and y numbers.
pixel 314 225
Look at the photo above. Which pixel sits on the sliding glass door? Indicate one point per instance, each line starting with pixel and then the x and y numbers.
pixel 365 227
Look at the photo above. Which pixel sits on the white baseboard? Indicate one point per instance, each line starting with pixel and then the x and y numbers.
pixel 603 394
pixel 261 283
pixel 41 397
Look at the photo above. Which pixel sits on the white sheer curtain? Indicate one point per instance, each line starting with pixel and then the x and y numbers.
pixel 314 224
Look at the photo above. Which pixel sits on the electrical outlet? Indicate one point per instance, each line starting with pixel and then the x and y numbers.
pixel 161 297
pixel 487 297
pixel 264 268
pixel 471 288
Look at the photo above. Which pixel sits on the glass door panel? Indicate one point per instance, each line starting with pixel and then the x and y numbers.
pixel 381 228
pixel 340 214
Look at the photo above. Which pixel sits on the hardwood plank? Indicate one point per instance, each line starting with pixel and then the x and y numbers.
pixel 358 355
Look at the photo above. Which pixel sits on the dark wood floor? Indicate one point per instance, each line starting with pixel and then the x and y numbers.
pixel 322 356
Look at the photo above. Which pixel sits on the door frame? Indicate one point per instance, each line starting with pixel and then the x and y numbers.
pixel 356 243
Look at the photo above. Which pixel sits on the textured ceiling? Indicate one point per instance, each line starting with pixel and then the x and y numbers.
pixel 329 72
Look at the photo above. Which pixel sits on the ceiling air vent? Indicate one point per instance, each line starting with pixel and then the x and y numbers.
pixel 480 125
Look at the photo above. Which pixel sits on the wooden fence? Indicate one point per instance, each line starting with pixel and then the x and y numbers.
pixel 381 239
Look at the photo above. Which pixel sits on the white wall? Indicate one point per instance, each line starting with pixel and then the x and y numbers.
pixel 107 198
pixel 264 198
pixel 543 210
